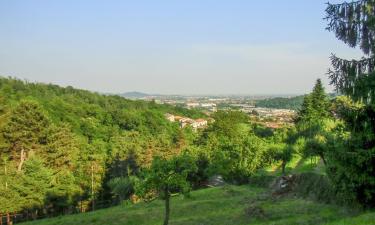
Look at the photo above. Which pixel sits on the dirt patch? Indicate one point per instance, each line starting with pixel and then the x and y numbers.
pixel 255 211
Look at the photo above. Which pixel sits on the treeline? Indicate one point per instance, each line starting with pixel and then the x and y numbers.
pixel 293 103
pixel 65 150
pixel 62 149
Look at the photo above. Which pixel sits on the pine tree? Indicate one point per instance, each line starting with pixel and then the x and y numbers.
pixel 319 101
pixel 354 24
pixel 25 131
pixel 315 105
pixel 306 110
pixel 351 163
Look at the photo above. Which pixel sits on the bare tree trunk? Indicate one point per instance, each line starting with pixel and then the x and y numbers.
pixel 92 188
pixel 9 220
pixel 167 209
pixel 1 219
pixel 22 159
pixel 323 159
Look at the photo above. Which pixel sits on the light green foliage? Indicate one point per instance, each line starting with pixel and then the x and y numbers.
pixel 81 140
pixel 167 176
pixel 237 159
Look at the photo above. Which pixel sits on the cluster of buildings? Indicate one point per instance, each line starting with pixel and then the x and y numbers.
pixel 202 105
pixel 185 121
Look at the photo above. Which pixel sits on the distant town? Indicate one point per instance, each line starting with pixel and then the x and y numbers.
pixel 272 117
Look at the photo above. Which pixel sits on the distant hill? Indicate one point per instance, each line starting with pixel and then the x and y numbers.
pixel 281 102
pixel 134 94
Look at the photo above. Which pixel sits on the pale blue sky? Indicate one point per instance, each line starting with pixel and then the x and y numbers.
pixel 169 46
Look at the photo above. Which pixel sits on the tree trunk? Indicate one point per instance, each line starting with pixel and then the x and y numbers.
pixel 323 159
pixel 22 159
pixel 9 220
pixel 1 219
pixel 283 165
pixel 167 209
pixel 92 188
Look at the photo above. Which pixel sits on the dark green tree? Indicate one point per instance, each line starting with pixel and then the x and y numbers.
pixel 352 162
pixel 25 131
pixel 315 105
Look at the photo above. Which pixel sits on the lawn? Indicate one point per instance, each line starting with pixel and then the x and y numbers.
pixel 221 206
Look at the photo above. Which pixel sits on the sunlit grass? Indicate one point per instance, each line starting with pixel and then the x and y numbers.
pixel 218 206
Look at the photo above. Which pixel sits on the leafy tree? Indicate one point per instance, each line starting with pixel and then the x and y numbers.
pixel 238 159
pixel 165 177
pixel 280 148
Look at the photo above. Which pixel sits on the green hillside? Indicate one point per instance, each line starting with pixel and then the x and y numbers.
pixel 281 103
pixel 221 206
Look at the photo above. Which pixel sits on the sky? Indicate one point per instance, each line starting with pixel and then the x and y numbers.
pixel 169 46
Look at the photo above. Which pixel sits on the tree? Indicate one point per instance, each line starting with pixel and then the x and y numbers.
pixel 319 101
pixel 314 121
pixel 167 176
pixel 352 159
pixel 315 105
pixel 237 159
pixel 25 131
pixel 10 198
pixel 281 147
pixel 36 183
pixel 354 24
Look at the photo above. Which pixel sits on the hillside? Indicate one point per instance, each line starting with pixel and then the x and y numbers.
pixel 134 95
pixel 281 102
pixel 221 206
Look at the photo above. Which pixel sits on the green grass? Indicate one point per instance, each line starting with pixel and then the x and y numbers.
pixel 220 206
pixel 296 165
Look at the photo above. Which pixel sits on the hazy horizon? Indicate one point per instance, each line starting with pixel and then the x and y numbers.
pixel 165 47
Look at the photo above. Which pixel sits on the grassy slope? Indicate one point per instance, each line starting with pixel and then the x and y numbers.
pixel 223 205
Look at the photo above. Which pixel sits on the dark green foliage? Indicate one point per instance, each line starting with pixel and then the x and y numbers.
pixel 354 24
pixel 314 122
pixel 316 105
pixel 25 131
pixel 315 186
pixel 281 103
pixel 123 187
pixel 351 158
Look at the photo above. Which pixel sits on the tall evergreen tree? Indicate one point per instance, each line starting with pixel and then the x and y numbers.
pixel 25 131
pixel 354 24
pixel 352 164
pixel 319 100
pixel 315 105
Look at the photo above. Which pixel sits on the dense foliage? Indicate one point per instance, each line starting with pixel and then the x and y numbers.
pixel 65 150
pixel 352 156
pixel 281 103
pixel 61 148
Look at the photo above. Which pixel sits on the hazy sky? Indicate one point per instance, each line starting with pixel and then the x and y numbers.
pixel 175 46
